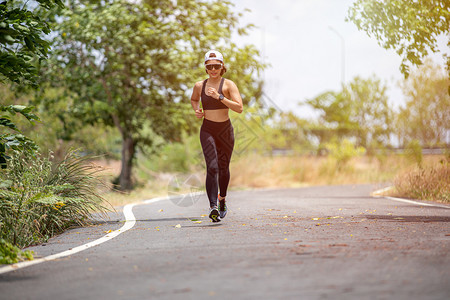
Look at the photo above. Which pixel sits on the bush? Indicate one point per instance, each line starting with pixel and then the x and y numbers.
pixel 343 151
pixel 425 183
pixel 40 198
pixel 10 254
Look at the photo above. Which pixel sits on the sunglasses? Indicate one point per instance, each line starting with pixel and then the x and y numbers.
pixel 213 66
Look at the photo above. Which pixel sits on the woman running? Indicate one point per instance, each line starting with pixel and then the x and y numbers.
pixel 218 96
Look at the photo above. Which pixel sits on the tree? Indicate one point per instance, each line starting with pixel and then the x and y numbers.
pixel 426 115
pixel 370 110
pixel 334 118
pixel 288 131
pixel 409 27
pixel 131 65
pixel 360 111
pixel 22 46
pixel 22 49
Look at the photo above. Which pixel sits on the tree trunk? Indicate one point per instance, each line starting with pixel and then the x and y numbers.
pixel 128 150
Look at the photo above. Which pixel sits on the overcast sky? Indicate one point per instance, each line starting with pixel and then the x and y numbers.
pixel 294 36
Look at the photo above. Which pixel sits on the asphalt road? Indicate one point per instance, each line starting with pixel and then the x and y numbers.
pixel 334 242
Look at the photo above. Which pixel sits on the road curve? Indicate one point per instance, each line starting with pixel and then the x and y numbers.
pixel 307 243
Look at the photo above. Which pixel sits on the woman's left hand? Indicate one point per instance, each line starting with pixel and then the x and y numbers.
pixel 212 92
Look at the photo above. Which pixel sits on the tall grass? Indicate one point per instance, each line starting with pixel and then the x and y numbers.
pixel 255 170
pixel 40 198
pixel 430 182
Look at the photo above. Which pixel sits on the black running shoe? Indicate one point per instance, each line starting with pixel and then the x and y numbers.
pixel 214 214
pixel 222 208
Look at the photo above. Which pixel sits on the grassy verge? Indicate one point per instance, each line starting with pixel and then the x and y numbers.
pixel 428 182
pixel 260 171
pixel 41 198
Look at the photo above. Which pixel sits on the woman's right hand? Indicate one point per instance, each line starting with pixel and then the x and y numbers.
pixel 199 113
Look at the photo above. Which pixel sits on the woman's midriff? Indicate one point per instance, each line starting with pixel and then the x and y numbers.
pixel 217 115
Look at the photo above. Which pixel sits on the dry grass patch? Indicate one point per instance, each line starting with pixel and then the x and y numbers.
pixel 425 183
pixel 256 171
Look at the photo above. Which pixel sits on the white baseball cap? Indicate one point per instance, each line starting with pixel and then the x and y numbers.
pixel 218 55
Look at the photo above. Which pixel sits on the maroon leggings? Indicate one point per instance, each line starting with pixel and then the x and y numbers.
pixel 217 139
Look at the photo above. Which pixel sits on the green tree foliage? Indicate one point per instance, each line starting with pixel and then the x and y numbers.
pixel 409 27
pixel 370 111
pixel 288 131
pixel 22 49
pixel 15 141
pixel 360 111
pixel 22 45
pixel 426 114
pixel 132 65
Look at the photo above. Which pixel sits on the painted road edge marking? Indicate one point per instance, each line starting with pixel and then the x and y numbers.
pixel 415 202
pixel 378 194
pixel 130 221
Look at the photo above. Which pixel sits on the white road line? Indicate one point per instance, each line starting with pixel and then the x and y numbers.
pixel 130 221
pixel 415 202
pixel 379 194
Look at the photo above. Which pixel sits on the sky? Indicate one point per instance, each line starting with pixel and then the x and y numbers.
pixel 300 40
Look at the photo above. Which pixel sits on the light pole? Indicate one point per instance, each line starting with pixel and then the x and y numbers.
pixel 343 53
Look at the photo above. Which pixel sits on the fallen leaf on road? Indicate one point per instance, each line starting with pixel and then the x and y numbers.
pixel 108 231
pixel 203 216
pixel 160 210
pixel 178 226
pixel 315 219
pixel 198 222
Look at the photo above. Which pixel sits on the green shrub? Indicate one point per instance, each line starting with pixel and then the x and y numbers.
pixel 40 198
pixel 343 151
pixel 10 254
